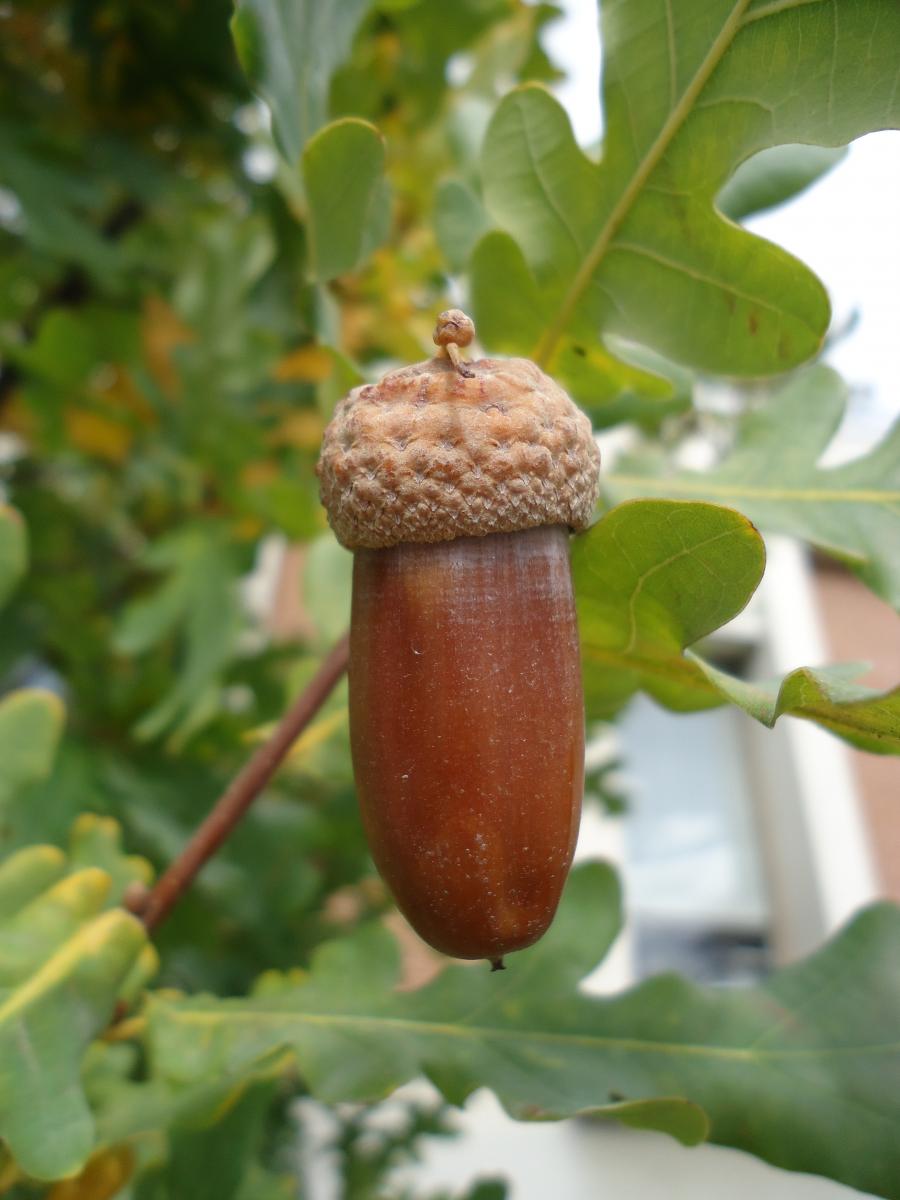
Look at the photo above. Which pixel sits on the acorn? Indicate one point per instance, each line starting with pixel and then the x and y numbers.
pixel 456 485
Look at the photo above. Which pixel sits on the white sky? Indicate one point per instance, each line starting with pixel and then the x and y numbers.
pixel 846 228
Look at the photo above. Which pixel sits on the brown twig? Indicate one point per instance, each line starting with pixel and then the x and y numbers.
pixel 242 791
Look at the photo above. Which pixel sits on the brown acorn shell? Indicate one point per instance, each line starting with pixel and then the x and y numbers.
pixel 467 732
pixel 429 454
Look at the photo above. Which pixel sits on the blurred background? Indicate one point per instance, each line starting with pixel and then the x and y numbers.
pixel 166 370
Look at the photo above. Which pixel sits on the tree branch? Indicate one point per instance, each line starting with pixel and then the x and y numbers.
pixel 155 906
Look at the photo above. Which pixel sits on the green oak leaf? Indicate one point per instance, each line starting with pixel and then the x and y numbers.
pixel 346 1003
pixel 205 1138
pixel 459 221
pixel 634 244
pixel 96 841
pixel 347 196
pixel 772 474
pixel 508 307
pixel 31 722
pixel 775 1069
pixel 56 191
pixel 68 344
pixel 13 550
pixel 198 604
pixel 64 962
pixel 289 50
pixel 650 578
pixel 655 576
pixel 135 1110
pixel 27 873
pixel 829 696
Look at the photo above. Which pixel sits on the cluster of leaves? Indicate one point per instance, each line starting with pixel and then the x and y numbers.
pixel 186 291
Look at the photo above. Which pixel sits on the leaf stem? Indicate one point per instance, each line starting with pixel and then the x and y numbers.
pixel 242 791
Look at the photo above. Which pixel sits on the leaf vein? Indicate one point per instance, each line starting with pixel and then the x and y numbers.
pixel 751 491
pixel 551 200
pixel 686 552
pixel 777 7
pixel 701 277
pixel 489 1032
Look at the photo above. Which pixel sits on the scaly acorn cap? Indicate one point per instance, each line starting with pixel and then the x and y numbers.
pixel 447 449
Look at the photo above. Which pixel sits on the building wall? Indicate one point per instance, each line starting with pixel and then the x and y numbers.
pixel 861 628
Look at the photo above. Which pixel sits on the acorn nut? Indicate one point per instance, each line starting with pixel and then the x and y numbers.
pixel 456 485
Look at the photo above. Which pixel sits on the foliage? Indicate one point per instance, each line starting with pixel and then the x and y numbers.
pixel 796 1051
pixel 371 1140
pixel 186 293
pixel 65 959
pixel 656 576
pixel 12 550
pixel 772 474
pixel 290 51
pixel 686 102
pixel 348 202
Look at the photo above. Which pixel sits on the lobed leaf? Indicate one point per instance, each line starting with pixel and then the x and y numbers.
pixel 777 1070
pixel 508 305
pixel 31 722
pixel 655 576
pixel 129 1111
pixel 772 474
pixel 650 578
pixel 435 1035
pixel 27 873
pixel 214 1155
pixel 347 195
pixel 289 50
pixel 96 841
pixel 634 244
pixel 459 221
pixel 63 963
pixel 198 603
pixel 829 696
pixel 45 1025
pixel 54 188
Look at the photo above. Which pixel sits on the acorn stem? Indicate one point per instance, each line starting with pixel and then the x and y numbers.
pixel 453 331
pixel 452 351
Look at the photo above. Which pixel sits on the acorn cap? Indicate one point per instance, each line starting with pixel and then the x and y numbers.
pixel 446 449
